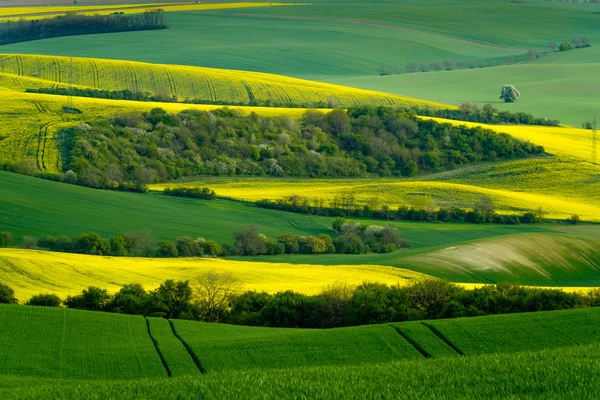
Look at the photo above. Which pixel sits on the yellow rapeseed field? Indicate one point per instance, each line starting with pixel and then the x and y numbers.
pixel 30 13
pixel 30 272
pixel 185 82
pixel 29 121
pixel 564 141
pixel 562 187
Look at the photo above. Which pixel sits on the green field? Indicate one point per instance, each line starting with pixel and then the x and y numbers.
pixel 312 41
pixel 570 372
pixel 25 209
pixel 468 253
pixel 84 355
pixel 61 343
pixel 555 87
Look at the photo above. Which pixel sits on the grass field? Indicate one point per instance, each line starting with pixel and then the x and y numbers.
pixel 229 347
pixel 512 333
pixel 560 350
pixel 557 373
pixel 312 41
pixel 34 272
pixel 559 86
pixel 25 209
pixel 178 360
pixel 60 343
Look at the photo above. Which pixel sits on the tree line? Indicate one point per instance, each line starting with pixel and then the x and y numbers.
pixel 483 211
pixel 353 238
pixel 79 24
pixel 132 150
pixel 486 114
pixel 217 297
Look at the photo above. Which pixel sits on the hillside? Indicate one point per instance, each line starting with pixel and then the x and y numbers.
pixel 104 358
pixel 35 118
pixel 559 85
pixel 32 13
pixel 513 186
pixel 489 376
pixel 312 40
pixel 192 83
pixel 31 272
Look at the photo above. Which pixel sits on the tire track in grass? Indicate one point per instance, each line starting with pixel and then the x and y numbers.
pixel 188 348
pixel 160 354
pixel 412 342
pixel 439 334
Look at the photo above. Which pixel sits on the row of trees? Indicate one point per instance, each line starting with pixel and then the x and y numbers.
pixel 133 150
pixel 482 212
pixel 216 297
pixel 353 239
pixel 78 24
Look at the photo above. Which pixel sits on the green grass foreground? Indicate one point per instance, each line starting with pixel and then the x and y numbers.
pixel 555 359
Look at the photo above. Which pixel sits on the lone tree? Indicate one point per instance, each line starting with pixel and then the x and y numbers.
pixel 509 94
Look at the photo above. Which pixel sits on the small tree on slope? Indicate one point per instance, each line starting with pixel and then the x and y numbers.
pixel 509 94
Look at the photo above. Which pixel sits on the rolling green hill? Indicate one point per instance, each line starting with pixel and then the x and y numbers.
pixel 312 40
pixel 566 92
pixel 439 249
pixel 557 373
pixel 63 345
pixel 60 343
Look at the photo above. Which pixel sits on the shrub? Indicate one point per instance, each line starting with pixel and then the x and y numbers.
pixel 6 239
pixel 131 299
pixel 166 249
pixel 91 298
pixel 45 300
pixel 7 295
pixel 348 243
pixel 90 243
pixel 29 242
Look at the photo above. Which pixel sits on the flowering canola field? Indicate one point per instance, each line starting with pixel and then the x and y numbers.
pixel 30 13
pixel 562 187
pixel 185 82
pixel 31 272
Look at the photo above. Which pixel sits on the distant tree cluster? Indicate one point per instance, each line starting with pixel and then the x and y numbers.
pixel 487 114
pixel 218 297
pixel 132 150
pixel 576 42
pixel 78 24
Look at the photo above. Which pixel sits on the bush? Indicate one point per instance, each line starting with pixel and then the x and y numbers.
pixel 29 242
pixel 131 299
pixel 349 243
pixel 7 295
pixel 91 298
pixel 6 239
pixel 45 300
pixel 166 249
pixel 90 243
